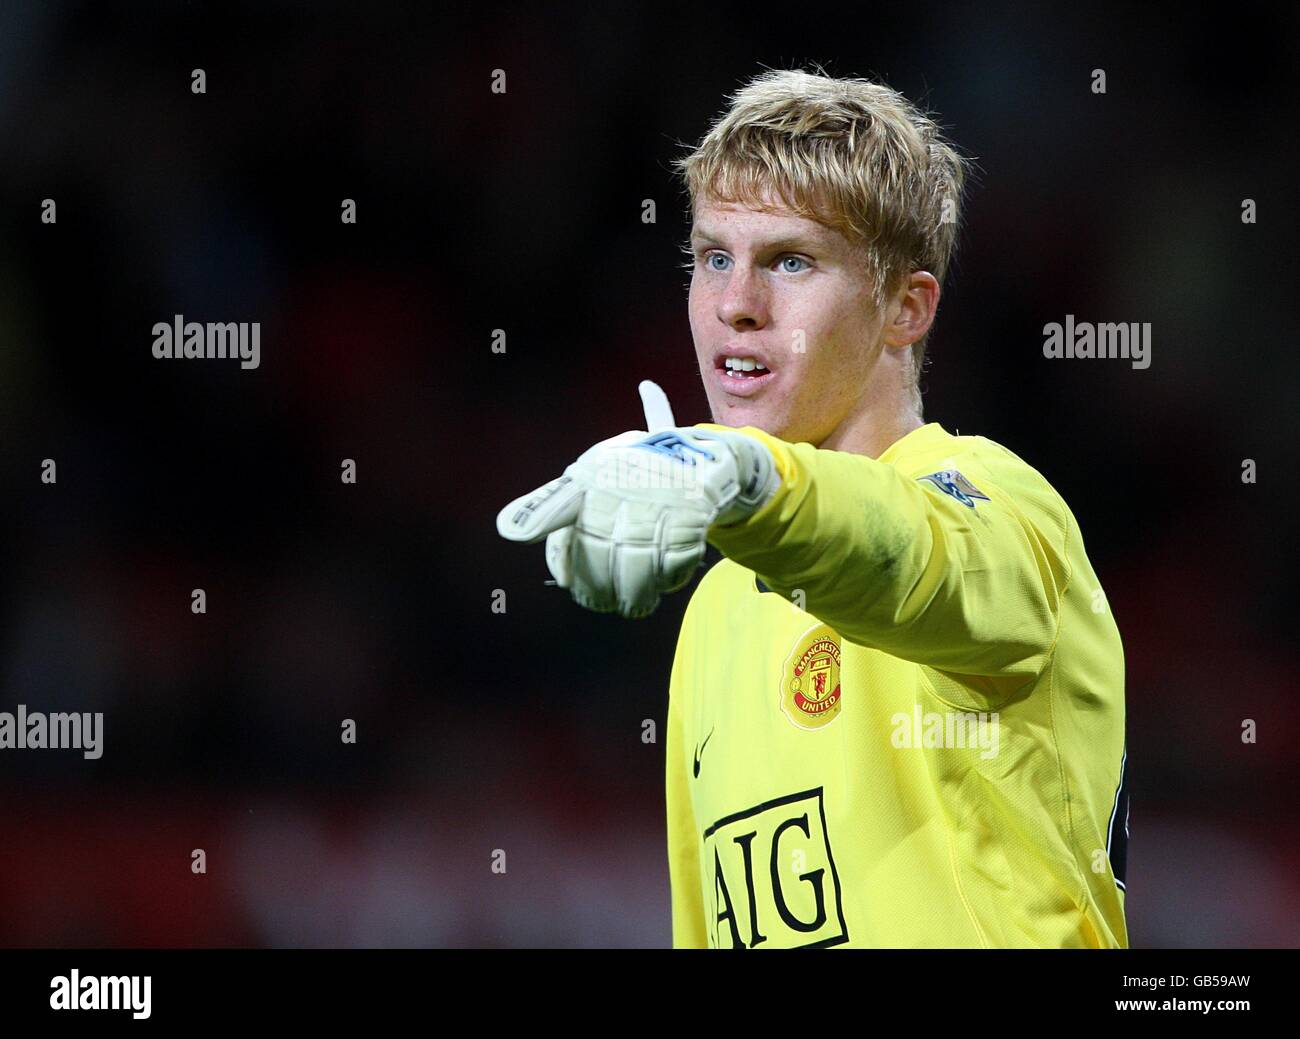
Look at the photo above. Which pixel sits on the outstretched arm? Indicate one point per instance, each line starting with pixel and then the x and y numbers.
pixel 918 567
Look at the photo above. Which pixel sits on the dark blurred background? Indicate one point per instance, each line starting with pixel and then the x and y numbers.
pixel 522 211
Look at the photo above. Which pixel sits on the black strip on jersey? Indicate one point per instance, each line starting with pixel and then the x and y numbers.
pixel 1117 832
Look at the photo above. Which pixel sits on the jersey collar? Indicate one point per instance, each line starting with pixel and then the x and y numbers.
pixel 922 436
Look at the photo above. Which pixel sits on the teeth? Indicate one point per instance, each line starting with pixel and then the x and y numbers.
pixel 744 364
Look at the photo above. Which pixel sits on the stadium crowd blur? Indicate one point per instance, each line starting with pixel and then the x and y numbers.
pixel 522 732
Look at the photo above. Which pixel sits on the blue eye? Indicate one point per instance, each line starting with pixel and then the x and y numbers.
pixel 784 263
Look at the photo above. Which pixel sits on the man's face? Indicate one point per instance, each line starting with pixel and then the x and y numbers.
pixel 787 292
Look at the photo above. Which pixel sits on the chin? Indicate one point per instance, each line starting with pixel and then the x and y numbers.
pixel 735 415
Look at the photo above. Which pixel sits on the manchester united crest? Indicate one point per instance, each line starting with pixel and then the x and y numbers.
pixel 810 680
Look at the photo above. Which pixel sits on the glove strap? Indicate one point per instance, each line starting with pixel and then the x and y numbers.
pixel 757 473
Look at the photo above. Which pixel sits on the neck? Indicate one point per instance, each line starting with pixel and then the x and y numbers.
pixel 881 418
pixel 872 433
pixel 887 411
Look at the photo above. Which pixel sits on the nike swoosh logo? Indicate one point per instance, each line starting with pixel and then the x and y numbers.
pixel 701 751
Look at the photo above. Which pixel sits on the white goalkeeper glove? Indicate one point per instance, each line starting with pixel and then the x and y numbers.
pixel 628 521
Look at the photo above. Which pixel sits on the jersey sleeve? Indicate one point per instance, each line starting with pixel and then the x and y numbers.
pixel 683 834
pixel 893 561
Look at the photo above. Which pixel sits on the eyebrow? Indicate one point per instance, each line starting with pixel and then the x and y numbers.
pixel 797 242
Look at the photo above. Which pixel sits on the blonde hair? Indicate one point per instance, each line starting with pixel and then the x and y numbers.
pixel 851 154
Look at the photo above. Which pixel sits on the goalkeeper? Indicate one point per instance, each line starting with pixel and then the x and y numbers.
pixel 896 708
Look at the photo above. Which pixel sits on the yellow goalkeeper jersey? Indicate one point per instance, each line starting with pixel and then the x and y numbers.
pixel 896 713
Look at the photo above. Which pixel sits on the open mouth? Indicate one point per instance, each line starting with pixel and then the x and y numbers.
pixel 743 368
pixel 741 376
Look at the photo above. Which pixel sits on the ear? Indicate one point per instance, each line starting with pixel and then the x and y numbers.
pixel 911 312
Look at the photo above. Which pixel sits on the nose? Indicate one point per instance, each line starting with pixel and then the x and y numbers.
pixel 743 303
